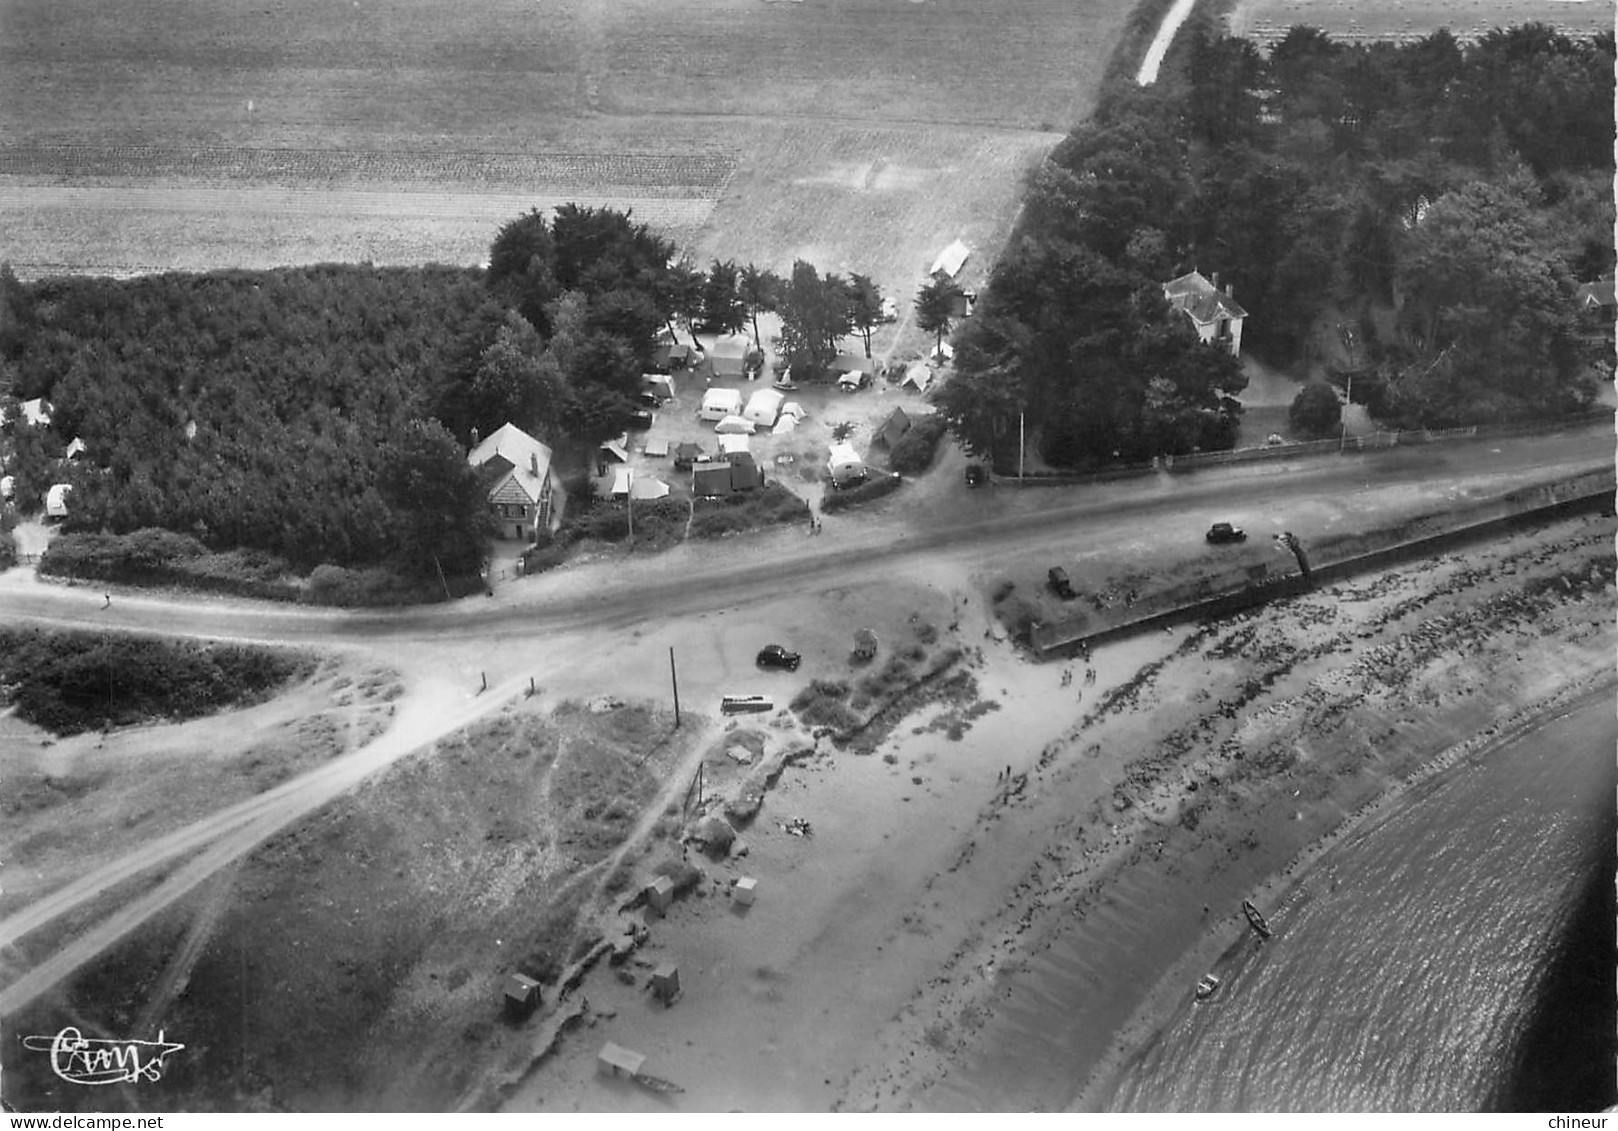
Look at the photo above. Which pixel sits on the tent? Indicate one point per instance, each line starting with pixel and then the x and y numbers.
pixel 646 487
pixel 852 380
pixel 620 482
pixel 730 445
pixel 794 410
pixel 785 426
pixel 729 355
pixel 735 426
pixel 37 412
pixel 893 429
pixel 844 465
pixel 763 407
pixel 950 260
pixel 75 448
pixel 618 449
pixel 744 473
pixel 656 447
pixel 711 480
pixel 943 353
pixel 918 376
pixel 854 363
pixel 660 385
pixel 686 453
pixel 8 486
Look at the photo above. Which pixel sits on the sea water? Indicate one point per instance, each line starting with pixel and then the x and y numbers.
pixel 1409 969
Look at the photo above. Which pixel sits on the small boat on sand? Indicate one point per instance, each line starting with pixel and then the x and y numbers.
pixel 1255 920
pixel 1207 987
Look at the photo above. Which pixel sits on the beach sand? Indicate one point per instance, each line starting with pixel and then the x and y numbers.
pixel 951 940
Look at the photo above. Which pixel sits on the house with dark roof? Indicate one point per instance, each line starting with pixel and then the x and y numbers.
pixel 711 480
pixel 524 496
pixel 1215 313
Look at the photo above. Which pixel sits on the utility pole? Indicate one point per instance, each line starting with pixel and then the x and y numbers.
pixel 441 579
pixel 1342 440
pixel 1019 448
pixel 629 501
pixel 674 678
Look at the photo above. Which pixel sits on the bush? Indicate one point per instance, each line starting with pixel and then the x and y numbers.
pixel 1315 410
pixel 770 505
pixel 873 488
pixel 8 550
pixel 146 556
pixel 69 682
pixel 336 585
pixel 916 448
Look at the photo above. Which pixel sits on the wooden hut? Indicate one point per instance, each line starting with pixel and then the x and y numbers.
pixel 666 983
pixel 522 996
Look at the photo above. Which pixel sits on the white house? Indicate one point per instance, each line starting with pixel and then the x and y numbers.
pixel 524 496
pixel 1215 313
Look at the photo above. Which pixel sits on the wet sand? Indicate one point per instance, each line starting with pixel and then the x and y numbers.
pixel 949 941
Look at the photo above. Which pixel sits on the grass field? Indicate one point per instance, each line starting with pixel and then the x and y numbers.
pixel 863 134
pixel 1265 21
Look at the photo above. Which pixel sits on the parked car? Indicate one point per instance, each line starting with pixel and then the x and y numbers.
pixel 1060 584
pixel 775 656
pixel 1221 532
pixel 976 475
pixel 640 421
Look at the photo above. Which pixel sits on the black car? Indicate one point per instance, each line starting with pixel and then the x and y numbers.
pixel 1221 532
pixel 775 656
pixel 640 421
pixel 976 476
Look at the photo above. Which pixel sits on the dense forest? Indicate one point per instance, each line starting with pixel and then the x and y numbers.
pixel 321 415
pixel 1434 204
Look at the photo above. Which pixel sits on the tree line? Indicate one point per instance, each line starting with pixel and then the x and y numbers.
pixel 1435 204
pixel 322 414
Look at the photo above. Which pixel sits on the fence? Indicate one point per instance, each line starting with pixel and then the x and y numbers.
pixel 1375 441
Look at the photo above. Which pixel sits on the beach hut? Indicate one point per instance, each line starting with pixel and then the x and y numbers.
pixel 522 996
pixel 666 983
pixel 659 894
pixel 743 890
pixel 616 1059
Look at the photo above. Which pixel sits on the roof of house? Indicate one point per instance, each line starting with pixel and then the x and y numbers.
pixel 528 460
pixel 1599 293
pixel 1199 298
pixel 893 428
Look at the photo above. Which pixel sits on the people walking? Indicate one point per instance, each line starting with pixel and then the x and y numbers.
pixel 107 597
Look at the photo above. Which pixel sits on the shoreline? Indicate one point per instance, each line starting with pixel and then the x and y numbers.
pixel 1281 890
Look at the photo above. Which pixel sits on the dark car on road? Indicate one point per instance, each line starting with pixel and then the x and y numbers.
pixel 976 476
pixel 1222 532
pixel 775 656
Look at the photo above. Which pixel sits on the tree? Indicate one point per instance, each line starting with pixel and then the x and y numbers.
pixel 1315 410
pixel 1487 293
pixel 935 308
pixel 442 514
pixel 522 266
pixel 723 311
pixel 814 318
pixel 759 290
pixel 864 307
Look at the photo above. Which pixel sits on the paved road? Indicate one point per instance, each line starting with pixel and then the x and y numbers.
pixel 968 530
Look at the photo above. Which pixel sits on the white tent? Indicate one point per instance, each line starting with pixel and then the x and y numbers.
pixel 950 260
pixel 729 355
pixel 919 376
pixel 785 426
pixel 646 487
pixel 794 410
pixel 620 482
pixel 720 403
pixel 37 412
pixel 731 444
pixel 75 448
pixel 8 486
pixel 943 353
pixel 735 426
pixel 763 407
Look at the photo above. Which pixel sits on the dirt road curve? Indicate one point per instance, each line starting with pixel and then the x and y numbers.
pixel 969 532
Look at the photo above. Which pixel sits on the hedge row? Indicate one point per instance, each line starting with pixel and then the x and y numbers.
pixel 873 488
pixel 915 450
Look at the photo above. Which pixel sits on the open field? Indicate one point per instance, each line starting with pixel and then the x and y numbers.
pixel 1265 21
pixel 862 135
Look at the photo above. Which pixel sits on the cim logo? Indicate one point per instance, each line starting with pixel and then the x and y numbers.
pixel 89 1060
